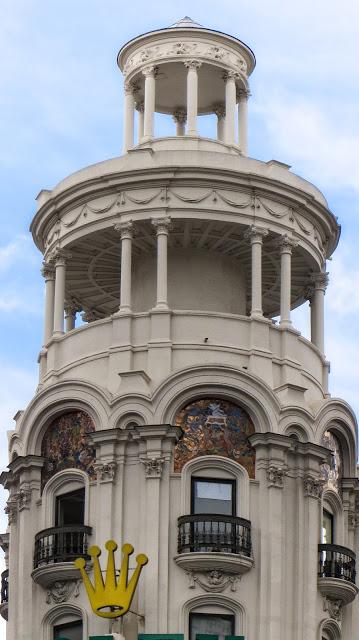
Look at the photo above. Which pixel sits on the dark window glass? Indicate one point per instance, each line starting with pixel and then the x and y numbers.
pixel 210 624
pixel 71 630
pixel 328 527
pixel 213 496
pixel 70 508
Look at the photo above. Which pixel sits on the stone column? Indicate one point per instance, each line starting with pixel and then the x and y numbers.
pixel 242 97
pixel 319 283
pixel 220 111
pixel 256 235
pixel 126 231
pixel 140 108
pixel 150 101
pixel 180 117
pixel 70 315
pixel 230 127
pixel 128 124
pixel 162 226
pixel 61 257
pixel 48 271
pixel 192 95
pixel 286 245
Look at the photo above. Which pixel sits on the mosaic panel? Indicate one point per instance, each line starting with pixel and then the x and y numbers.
pixel 65 445
pixel 212 426
pixel 332 473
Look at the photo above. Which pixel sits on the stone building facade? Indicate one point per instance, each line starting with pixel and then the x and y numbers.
pixel 183 412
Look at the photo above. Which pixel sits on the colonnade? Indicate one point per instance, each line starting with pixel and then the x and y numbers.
pixel 57 309
pixel 235 100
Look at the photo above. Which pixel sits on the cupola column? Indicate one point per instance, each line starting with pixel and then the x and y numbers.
pixel 140 108
pixel 180 117
pixel 150 101
pixel 60 277
pixel 126 231
pixel 230 80
pixel 286 245
pixel 70 315
pixel 128 124
pixel 48 271
pixel 243 96
pixel 220 111
pixel 162 226
pixel 256 235
pixel 192 95
pixel 319 285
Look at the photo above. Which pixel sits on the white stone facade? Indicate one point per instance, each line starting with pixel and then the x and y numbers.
pixel 179 254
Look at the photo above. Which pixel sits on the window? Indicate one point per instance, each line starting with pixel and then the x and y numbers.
pixel 213 496
pixel 327 527
pixel 70 630
pixel 217 624
pixel 70 508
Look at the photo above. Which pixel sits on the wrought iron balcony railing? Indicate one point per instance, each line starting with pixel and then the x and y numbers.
pixel 60 544
pixel 336 562
pixel 214 533
pixel 5 586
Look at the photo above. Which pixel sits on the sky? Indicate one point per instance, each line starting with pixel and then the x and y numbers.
pixel 61 109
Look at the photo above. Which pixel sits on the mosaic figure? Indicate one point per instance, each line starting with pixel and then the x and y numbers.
pixel 332 473
pixel 65 445
pixel 212 426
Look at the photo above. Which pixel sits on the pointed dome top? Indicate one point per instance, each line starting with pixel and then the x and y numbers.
pixel 186 23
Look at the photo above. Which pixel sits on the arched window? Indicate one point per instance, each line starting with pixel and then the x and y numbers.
pixel 332 472
pixel 66 445
pixel 213 426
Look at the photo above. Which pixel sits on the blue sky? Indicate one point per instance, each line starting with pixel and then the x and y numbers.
pixel 61 109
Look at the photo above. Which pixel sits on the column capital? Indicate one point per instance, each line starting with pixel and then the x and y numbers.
pixel 125 228
pixel 180 116
pixel 61 256
pixel 242 94
pixel 162 225
pixel 230 75
pixel 319 280
pixel 192 64
pixel 286 244
pixel 71 307
pixel 219 110
pixel 313 487
pixel 150 72
pixel 140 107
pixel 255 234
pixel 131 87
pixel 89 315
pixel 275 476
pixel 48 271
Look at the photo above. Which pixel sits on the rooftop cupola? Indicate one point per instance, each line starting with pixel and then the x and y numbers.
pixel 186 71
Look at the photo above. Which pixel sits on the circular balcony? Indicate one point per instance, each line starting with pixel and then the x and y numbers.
pixel 4 595
pixel 56 549
pixel 209 542
pixel 336 572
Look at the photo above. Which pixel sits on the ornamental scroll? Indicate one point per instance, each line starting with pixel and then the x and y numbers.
pixel 212 426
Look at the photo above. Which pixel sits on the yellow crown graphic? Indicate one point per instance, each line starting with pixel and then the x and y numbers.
pixel 111 598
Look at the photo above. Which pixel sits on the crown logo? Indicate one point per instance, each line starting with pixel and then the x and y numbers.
pixel 112 597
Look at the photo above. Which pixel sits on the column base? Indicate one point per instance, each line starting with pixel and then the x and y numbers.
pixel 123 311
pixel 58 334
pixel 161 306
pixel 285 324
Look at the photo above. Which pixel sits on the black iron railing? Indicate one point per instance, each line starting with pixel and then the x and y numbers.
pixel 5 586
pixel 61 544
pixel 336 562
pixel 207 532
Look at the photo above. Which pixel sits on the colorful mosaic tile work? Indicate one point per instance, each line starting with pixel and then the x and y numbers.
pixel 332 473
pixel 65 445
pixel 212 426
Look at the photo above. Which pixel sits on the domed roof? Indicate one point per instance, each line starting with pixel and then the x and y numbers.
pixel 186 23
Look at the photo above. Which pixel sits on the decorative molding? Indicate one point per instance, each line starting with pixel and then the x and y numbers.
pixel 153 466
pixel 106 471
pixel 213 581
pixel 275 476
pixel 353 520
pixel 313 487
pixel 23 497
pixel 62 590
pixel 11 509
pixel 333 607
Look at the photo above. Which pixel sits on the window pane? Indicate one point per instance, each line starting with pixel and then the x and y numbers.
pixel 212 624
pixel 70 508
pixel 71 631
pixel 328 528
pixel 213 497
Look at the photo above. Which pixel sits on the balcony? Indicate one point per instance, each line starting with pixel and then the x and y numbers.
pixel 4 594
pixel 336 572
pixel 214 542
pixel 55 551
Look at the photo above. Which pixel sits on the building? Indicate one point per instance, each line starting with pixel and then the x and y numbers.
pixel 179 415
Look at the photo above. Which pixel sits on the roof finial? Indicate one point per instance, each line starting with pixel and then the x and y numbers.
pixel 186 23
